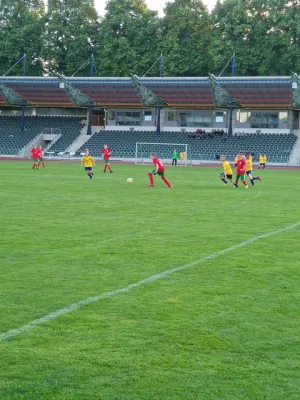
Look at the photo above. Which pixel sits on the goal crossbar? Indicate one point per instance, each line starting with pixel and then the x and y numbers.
pixel 143 149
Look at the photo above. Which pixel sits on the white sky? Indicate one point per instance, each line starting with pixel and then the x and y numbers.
pixel 155 5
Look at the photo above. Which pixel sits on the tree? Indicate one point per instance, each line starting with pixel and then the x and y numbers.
pixel 69 36
pixel 186 38
pixel 263 34
pixel 128 38
pixel 21 27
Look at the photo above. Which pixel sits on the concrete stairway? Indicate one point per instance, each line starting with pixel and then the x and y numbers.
pixel 82 138
pixel 295 155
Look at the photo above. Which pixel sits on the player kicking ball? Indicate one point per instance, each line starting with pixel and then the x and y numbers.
pixel 159 170
pixel 88 162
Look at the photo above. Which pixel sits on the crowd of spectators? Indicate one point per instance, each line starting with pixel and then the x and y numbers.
pixel 202 134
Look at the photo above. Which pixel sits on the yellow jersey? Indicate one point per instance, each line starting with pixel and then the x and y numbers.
pixel 251 158
pixel 236 159
pixel 249 166
pixel 265 159
pixel 261 160
pixel 87 161
pixel 227 168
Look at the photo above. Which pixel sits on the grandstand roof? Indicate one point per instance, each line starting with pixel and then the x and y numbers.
pixel 190 93
pixel 260 92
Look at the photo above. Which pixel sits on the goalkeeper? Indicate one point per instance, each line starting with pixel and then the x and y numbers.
pixel 174 158
pixel 159 170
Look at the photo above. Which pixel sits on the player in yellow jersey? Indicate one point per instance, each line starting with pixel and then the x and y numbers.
pixel 236 159
pixel 249 168
pixel 227 174
pixel 261 161
pixel 88 162
pixel 265 160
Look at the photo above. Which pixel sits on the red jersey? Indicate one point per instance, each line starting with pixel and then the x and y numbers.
pixel 241 167
pixel 159 165
pixel 39 153
pixel 34 151
pixel 106 153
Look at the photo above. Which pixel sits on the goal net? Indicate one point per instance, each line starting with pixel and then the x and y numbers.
pixel 164 151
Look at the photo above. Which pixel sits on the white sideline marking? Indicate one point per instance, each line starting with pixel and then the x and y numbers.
pixel 75 306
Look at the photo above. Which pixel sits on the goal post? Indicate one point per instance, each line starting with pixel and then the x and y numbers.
pixel 164 151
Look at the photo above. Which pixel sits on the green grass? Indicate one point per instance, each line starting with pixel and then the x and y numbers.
pixel 225 329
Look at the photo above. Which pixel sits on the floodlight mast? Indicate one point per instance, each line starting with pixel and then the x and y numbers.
pixel 233 72
pixel 161 74
pixel 24 59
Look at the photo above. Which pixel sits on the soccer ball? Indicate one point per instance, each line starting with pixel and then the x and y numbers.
pixel 129 180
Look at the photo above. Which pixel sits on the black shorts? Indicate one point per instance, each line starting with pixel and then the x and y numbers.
pixel 88 168
pixel 225 176
pixel 249 173
pixel 262 164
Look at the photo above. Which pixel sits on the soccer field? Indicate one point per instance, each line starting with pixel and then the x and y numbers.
pixel 206 319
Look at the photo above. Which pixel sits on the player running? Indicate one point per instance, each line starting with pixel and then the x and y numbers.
pixel 34 155
pixel 249 168
pixel 106 152
pixel 159 170
pixel 227 174
pixel 40 155
pixel 240 171
pixel 88 162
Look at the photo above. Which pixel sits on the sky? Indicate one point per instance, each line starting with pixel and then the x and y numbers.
pixel 156 5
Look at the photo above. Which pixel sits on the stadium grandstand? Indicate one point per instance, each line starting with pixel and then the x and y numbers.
pixel 211 115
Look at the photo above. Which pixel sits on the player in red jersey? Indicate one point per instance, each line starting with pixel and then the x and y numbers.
pixel 34 155
pixel 240 171
pixel 159 170
pixel 106 152
pixel 40 155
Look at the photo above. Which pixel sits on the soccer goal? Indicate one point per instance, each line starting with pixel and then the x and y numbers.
pixel 164 151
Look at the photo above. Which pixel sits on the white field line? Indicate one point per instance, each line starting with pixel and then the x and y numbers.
pixel 75 306
pixel 251 199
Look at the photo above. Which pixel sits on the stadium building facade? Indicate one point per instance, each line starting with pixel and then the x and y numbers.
pixel 265 103
pixel 237 105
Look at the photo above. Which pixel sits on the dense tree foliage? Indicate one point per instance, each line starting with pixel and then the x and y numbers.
pixel 69 36
pixel 128 38
pixel 21 24
pixel 264 35
pixel 185 39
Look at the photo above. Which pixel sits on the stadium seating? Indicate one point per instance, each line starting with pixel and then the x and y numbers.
pixel 12 140
pixel 277 146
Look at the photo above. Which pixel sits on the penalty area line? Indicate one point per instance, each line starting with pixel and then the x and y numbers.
pixel 75 306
